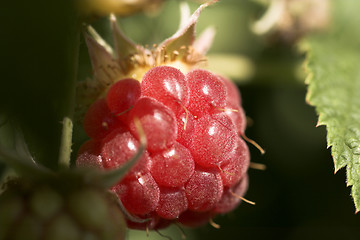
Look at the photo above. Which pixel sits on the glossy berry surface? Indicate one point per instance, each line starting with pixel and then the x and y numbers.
pixel 99 121
pixel 122 96
pixel 167 85
pixel 195 163
pixel 173 167
pixel 207 92
pixel 158 122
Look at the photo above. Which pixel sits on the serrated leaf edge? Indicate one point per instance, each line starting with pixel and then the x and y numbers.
pixel 305 47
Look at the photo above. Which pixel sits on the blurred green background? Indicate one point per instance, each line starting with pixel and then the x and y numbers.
pixel 297 196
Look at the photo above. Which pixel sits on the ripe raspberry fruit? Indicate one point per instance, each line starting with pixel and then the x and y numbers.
pixel 167 85
pixel 195 162
pixel 99 121
pixel 229 199
pixel 172 202
pixel 158 122
pixel 116 150
pixel 207 92
pixel 176 162
pixel 122 96
pixel 89 155
pixel 204 190
pixel 139 196
pixel 214 136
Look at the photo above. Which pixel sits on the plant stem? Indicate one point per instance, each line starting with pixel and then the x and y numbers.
pixel 67 129
pixel 66 143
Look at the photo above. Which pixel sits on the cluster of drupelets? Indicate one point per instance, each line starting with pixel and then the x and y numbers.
pixel 195 163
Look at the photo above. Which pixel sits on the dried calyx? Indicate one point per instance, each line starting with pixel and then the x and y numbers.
pixel 289 20
pixel 128 59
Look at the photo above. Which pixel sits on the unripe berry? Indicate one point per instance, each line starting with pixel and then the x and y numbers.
pixel 50 211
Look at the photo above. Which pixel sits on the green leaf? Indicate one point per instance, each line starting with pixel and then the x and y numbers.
pixel 334 88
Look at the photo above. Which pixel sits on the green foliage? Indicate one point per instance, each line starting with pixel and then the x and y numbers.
pixel 334 88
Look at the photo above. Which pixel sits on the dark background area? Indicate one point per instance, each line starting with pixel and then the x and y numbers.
pixel 297 196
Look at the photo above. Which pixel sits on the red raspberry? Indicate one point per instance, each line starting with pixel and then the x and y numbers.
pixel 207 92
pixel 204 190
pixel 235 164
pixel 122 96
pixel 172 202
pixel 195 219
pixel 118 147
pixel 214 136
pixel 186 124
pixel 233 95
pixel 195 164
pixel 139 196
pixel 172 167
pixel 230 199
pixel 99 120
pixel 167 85
pixel 158 122
pixel 89 155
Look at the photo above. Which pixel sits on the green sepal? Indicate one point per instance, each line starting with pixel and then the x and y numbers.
pixel 109 178
pixel 124 47
pixel 19 158
pixel 185 35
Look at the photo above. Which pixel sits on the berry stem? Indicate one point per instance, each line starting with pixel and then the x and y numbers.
pixel 66 142
pixel 69 105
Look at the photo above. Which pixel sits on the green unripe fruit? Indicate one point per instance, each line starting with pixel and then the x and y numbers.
pixel 28 227
pixel 64 227
pixel 53 211
pixel 89 209
pixel 45 202
pixel 11 207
